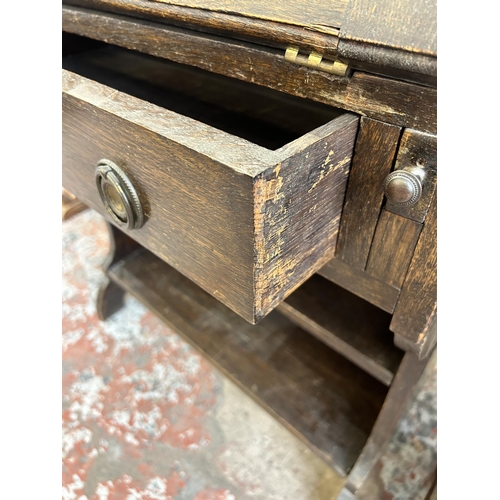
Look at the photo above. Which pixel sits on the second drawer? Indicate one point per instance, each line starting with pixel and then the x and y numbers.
pixel 241 188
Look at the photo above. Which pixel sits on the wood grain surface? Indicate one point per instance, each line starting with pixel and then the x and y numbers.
pixel 400 392
pixel 415 317
pixel 392 101
pixel 246 223
pixel 319 15
pixel 321 38
pixel 349 325
pixel 392 249
pixel 394 34
pixel 374 154
pixel 361 284
pixel 321 397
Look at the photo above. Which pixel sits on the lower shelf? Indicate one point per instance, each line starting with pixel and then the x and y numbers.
pixel 324 399
pixel 348 324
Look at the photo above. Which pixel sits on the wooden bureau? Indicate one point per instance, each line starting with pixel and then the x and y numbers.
pixel 270 169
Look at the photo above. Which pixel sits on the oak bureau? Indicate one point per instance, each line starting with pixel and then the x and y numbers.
pixel 268 171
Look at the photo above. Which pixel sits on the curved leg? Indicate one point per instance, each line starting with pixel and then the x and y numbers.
pixel 110 296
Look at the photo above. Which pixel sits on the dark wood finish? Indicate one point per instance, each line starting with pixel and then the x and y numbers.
pixel 254 208
pixel 398 35
pixel 392 249
pixel 260 115
pixel 372 161
pixel 417 149
pixel 400 103
pixel 349 325
pixel 308 15
pixel 247 224
pixel 110 296
pixel 319 38
pixel 361 284
pixel 401 390
pixel 415 317
pixel 412 434
pixel 324 399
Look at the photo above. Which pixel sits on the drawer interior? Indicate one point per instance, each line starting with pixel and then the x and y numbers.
pixel 260 115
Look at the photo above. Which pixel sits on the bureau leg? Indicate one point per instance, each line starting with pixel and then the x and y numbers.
pixel 400 453
pixel 110 297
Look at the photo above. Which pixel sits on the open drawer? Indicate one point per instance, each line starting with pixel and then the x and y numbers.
pixel 238 187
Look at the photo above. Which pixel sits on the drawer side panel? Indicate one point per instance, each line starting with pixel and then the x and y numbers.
pixel 298 205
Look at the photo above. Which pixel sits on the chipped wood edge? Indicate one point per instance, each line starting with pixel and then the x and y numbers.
pixel 281 262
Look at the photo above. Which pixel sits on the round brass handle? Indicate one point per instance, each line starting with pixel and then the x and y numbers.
pixel 404 187
pixel 118 195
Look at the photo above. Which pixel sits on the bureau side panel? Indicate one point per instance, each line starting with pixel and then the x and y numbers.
pixel 199 213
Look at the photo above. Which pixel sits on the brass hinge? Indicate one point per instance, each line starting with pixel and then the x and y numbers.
pixel 315 61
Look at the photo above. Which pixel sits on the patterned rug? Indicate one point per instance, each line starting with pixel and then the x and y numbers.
pixel 147 418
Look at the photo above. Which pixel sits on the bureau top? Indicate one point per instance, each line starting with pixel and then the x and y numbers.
pixel 390 37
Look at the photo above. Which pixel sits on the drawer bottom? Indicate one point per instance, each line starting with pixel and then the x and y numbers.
pixel 324 399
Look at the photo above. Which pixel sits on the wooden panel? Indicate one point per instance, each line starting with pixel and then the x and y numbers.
pixel 373 158
pixel 316 15
pixel 388 33
pixel 351 326
pixel 391 101
pixel 400 392
pixel 416 149
pixel 319 38
pixel 324 399
pixel 246 223
pixel 361 284
pixel 392 248
pixel 415 316
pixel 297 207
pixel 413 435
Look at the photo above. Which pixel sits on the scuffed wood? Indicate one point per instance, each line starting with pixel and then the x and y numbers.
pixel 384 99
pixel 374 153
pixel 308 15
pixel 392 248
pixel 391 35
pixel 322 38
pixel 362 284
pixel 415 317
pixel 298 205
pixel 246 223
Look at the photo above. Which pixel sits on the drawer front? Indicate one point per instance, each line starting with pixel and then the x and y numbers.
pixel 246 223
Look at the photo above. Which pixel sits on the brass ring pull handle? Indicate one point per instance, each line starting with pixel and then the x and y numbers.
pixel 118 195
pixel 404 187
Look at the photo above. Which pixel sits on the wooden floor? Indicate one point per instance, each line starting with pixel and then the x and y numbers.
pixel 323 398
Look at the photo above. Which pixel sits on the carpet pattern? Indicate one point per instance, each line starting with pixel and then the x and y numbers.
pixel 145 417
